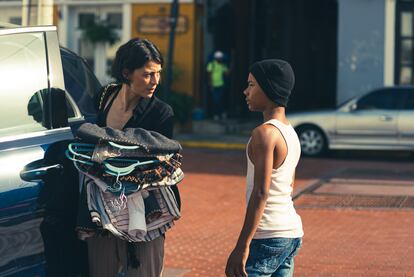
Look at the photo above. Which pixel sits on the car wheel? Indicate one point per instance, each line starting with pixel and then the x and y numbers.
pixel 312 141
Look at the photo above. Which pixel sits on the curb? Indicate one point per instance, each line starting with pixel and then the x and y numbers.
pixel 213 145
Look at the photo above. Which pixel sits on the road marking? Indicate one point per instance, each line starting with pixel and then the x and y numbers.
pixel 363 189
pixel 372 181
pixel 174 272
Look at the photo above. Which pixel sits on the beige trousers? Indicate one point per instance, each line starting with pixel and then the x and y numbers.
pixel 108 257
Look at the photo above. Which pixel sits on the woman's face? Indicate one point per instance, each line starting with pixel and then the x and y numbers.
pixel 144 80
pixel 255 97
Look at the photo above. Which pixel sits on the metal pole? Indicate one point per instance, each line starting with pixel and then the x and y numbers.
pixel 173 25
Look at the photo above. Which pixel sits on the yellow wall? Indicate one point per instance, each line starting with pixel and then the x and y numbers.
pixel 55 15
pixel 185 52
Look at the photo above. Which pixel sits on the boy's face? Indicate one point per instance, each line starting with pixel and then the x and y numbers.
pixel 255 97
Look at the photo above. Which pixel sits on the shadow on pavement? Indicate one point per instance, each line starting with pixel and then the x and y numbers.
pixel 208 161
pixel 372 155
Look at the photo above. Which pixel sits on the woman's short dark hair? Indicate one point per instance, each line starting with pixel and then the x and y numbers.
pixel 132 55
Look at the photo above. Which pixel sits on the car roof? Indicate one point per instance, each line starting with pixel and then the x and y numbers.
pixel 7 28
pixel 399 87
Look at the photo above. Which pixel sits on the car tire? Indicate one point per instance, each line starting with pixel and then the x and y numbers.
pixel 312 141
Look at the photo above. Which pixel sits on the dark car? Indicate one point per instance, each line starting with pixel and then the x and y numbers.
pixel 45 90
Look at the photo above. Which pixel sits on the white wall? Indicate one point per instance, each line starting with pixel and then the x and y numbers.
pixel 361 47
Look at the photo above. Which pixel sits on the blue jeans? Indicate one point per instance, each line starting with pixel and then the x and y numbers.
pixel 218 105
pixel 272 257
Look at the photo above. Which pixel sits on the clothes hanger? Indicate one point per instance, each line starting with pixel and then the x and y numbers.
pixel 79 150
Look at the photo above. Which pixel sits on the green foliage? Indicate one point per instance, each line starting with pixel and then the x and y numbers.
pixel 181 103
pixel 177 72
pixel 100 32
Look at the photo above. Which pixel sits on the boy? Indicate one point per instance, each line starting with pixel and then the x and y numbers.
pixel 272 230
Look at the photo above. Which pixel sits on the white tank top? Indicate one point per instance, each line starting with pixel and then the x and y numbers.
pixel 279 217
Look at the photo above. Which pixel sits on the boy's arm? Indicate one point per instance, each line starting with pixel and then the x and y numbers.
pixel 262 146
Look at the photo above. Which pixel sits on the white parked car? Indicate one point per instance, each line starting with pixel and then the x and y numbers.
pixel 380 120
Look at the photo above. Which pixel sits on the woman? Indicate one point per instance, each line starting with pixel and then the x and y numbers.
pixel 130 103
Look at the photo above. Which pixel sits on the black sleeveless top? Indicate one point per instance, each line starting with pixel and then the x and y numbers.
pixel 151 114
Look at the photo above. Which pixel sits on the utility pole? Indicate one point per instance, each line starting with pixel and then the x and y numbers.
pixel 173 24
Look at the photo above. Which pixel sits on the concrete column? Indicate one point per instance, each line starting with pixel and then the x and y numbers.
pixel 100 62
pixel 26 12
pixel 63 25
pixel 45 12
pixel 389 40
pixel 126 22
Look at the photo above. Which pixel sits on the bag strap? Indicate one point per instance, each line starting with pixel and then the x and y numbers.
pixel 105 95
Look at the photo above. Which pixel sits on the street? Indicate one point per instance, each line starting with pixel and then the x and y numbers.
pixel 357 211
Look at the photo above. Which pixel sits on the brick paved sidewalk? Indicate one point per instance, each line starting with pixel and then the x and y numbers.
pixel 356 243
pixel 337 242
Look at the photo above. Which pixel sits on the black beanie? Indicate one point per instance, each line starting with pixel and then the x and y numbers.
pixel 276 78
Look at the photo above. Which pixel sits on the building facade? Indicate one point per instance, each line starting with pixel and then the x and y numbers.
pixel 131 18
pixel 134 18
pixel 338 48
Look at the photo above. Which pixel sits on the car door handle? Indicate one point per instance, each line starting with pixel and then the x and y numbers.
pixel 386 118
pixel 38 173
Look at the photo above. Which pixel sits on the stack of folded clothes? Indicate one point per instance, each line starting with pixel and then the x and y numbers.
pixel 125 184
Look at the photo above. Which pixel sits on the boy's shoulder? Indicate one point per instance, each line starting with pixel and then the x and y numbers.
pixel 266 130
pixel 265 134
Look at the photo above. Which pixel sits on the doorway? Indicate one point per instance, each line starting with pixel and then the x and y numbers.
pixel 299 31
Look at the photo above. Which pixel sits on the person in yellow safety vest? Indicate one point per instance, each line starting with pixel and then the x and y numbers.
pixel 217 69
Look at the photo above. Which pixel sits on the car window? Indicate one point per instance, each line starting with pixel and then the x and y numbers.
pixel 408 100
pixel 380 100
pixel 80 82
pixel 23 83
